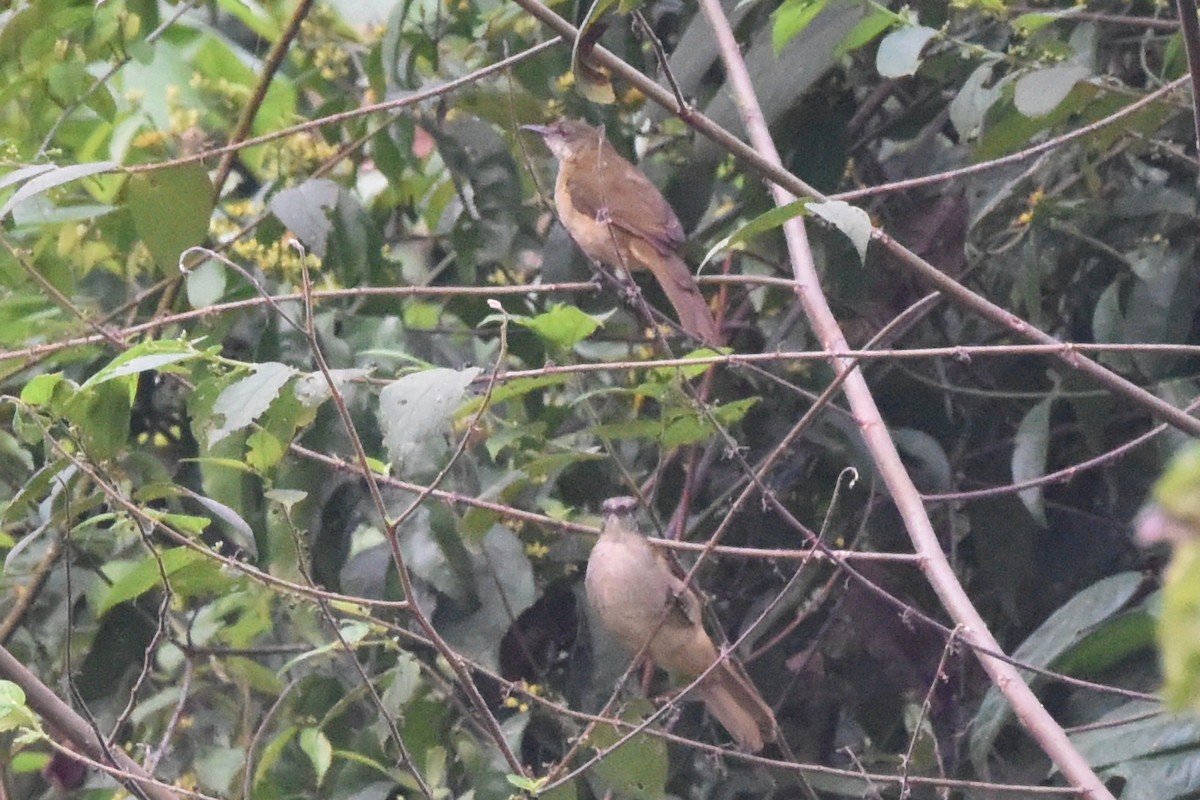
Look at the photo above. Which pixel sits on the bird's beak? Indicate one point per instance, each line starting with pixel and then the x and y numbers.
pixel 540 130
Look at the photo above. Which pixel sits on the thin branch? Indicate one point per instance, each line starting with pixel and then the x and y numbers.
pixel 333 119
pixel 883 450
pixel 754 159
pixel 62 717
pixel 1019 156
pixel 270 66
pixel 1190 24
pixel 166 25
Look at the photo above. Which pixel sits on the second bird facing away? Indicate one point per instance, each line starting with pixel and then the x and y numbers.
pixel 635 596
pixel 619 218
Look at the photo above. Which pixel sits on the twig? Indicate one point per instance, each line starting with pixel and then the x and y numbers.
pixel 883 449
pixel 47 705
pixel 773 172
pixel 270 66
pixel 1190 25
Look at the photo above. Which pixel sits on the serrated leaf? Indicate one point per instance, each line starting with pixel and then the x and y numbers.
pixel 243 401
pixel 562 326
pixel 638 769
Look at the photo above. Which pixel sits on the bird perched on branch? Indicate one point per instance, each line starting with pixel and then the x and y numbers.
pixel 619 218
pixel 637 597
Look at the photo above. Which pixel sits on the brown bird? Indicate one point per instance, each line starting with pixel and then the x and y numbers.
pixel 619 218
pixel 635 595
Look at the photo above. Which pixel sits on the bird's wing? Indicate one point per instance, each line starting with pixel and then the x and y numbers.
pixel 686 608
pixel 642 210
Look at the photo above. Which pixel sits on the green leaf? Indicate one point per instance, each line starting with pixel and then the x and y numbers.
pixel 143 357
pixel 318 749
pixel 102 414
pixel 272 753
pixel 422 316
pixel 45 180
pixel 793 17
pixel 1036 20
pixel 865 30
pixel 1136 729
pixel 590 81
pixel 512 389
pixel 304 209
pixel 974 98
pixel 767 221
pixel 171 209
pixel 245 400
pixel 184 523
pixel 1064 630
pixel 47 482
pixel 1110 643
pixel 1179 628
pixel 286 497
pixel 14 713
pixel 39 391
pixel 562 326
pixel 638 769
pixel 1178 489
pixel 687 372
pixel 205 283
pixel 531 785
pixel 145 575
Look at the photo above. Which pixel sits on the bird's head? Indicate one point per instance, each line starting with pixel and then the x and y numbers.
pixel 566 136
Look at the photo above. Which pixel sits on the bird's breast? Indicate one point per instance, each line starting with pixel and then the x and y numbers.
pixel 627 587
